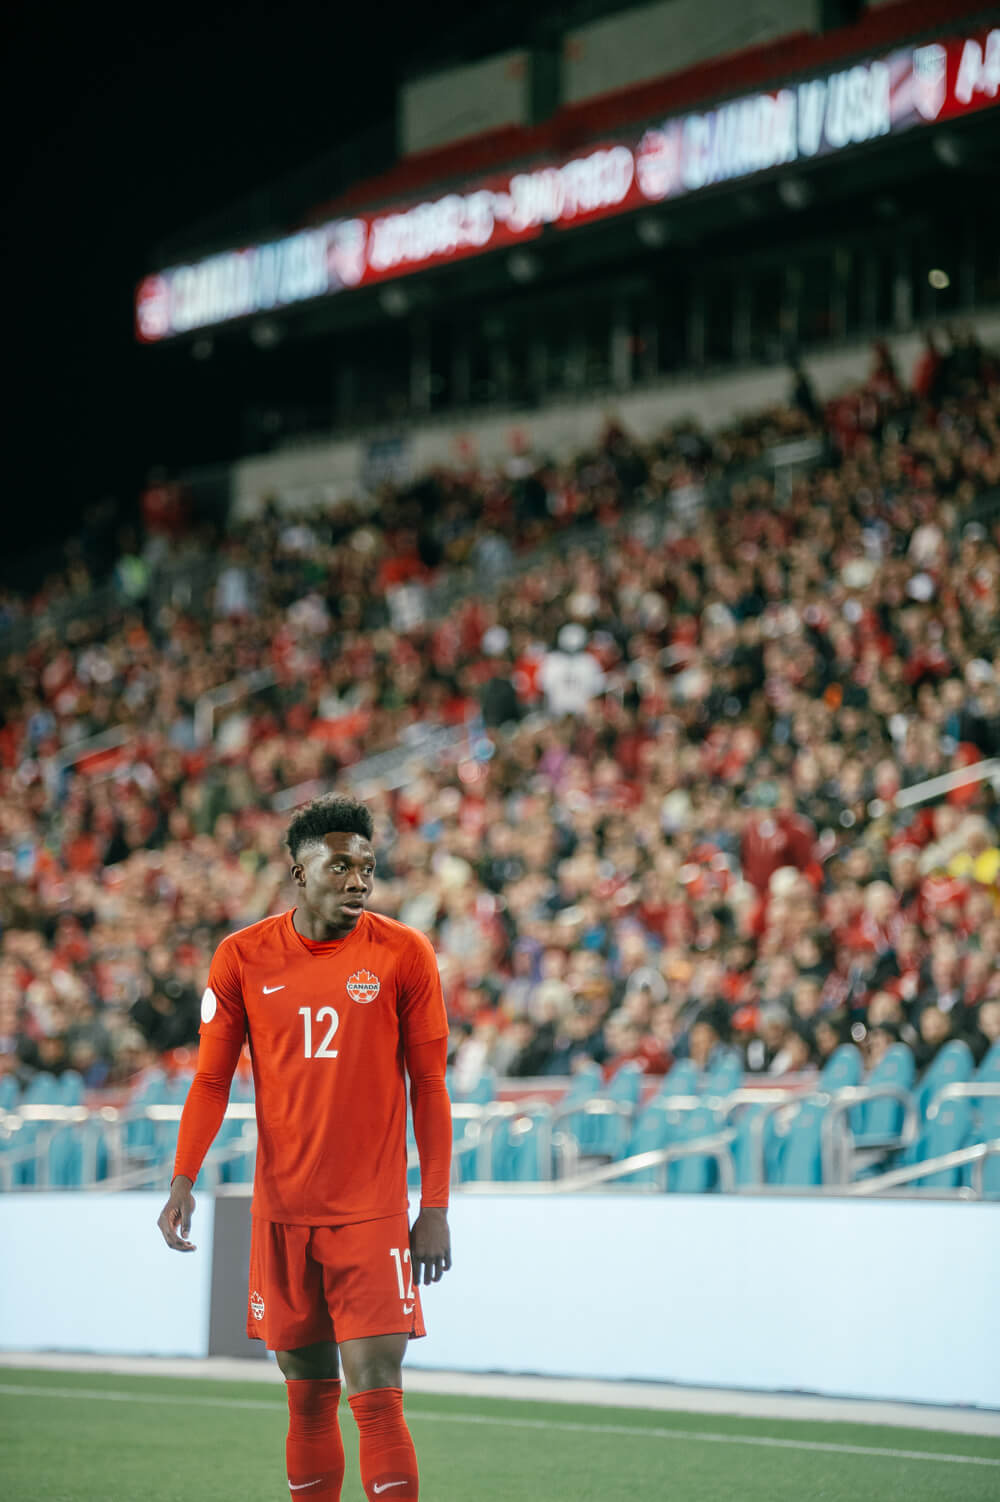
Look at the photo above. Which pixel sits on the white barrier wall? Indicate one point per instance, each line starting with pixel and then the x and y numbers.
pixel 889 1299
pixel 90 1272
pixel 895 1299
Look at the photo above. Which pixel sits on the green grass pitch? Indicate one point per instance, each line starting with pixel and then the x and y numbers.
pixel 84 1437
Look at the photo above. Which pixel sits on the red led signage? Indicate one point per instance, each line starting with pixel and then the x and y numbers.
pixel 802 122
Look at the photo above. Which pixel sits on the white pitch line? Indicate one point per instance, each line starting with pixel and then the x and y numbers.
pixel 560 1426
pixel 703 1404
pixel 703 1435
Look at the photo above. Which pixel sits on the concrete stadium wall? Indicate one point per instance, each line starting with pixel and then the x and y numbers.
pixel 313 475
pixel 654 41
pixel 872 1299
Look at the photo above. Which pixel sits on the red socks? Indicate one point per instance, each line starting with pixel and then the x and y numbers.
pixel 314 1450
pixel 388 1460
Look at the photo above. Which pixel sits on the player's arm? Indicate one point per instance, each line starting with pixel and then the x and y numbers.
pixel 430 1238
pixel 200 1120
pixel 223 1024
pixel 424 1028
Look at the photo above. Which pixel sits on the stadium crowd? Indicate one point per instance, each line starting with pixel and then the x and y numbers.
pixel 667 825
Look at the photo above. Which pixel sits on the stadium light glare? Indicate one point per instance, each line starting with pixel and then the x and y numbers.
pixel 795 193
pixel 948 151
pixel 266 334
pixel 523 267
pixel 939 280
pixel 652 231
pixel 394 301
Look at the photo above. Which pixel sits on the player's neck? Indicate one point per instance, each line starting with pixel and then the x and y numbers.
pixel 317 930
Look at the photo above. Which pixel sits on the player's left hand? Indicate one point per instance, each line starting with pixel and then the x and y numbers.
pixel 430 1246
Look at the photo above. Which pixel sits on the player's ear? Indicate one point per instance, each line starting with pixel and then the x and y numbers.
pixel 298 875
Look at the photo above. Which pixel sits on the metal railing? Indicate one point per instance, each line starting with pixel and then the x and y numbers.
pixel 772 1100
pixel 114 1155
pixel 28 1136
pixel 838 1145
pixel 962 1090
pixel 227 693
pixel 898 1178
pixel 716 1146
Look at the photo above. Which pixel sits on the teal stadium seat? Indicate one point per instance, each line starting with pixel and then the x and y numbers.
pixel 657 1126
pixel 987 1122
pixel 583 1086
pixel 139 1136
pixel 843 1068
pixel 463 1130
pixel 32 1137
pixel 988 1072
pixel 698 1174
pixel 878 1121
pixel 682 1080
pixel 796 1148
pixel 954 1064
pixel 725 1076
pixel 78 1155
pixel 482 1092
pixel 608 1136
pixel 413 1169
pixel 71 1088
pixel 948 1130
pixel 520 1146
pixel 240 1168
pixel 743 1147
pixel 10 1092
pixel 43 1090
pixel 800 1163
pixel 989 1131
pixel 19 1165
pixel 661 1124
pixel 173 1092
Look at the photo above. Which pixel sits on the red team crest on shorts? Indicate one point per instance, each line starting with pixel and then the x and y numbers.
pixel 256 1305
pixel 363 986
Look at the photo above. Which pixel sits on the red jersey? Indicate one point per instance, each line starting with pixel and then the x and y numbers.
pixel 329 1026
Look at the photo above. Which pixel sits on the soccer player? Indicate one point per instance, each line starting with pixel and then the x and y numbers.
pixel 336 1002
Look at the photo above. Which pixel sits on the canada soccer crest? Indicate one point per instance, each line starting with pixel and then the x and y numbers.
pixel 363 986
pixel 256 1305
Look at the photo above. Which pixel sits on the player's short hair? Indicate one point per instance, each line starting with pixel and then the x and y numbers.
pixel 330 815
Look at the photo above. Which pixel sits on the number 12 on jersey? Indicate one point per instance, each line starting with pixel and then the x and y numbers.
pixel 405 1287
pixel 324 1051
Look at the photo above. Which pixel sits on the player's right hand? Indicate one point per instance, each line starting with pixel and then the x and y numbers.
pixel 175 1217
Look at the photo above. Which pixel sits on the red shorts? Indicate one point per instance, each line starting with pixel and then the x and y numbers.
pixel 313 1283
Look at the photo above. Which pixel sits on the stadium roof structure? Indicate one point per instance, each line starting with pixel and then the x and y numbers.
pixel 910 87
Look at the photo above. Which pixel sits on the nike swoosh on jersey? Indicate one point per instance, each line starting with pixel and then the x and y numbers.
pixel 267 992
pixel 407 1308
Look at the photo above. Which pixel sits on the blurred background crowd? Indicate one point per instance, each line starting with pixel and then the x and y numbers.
pixel 682 697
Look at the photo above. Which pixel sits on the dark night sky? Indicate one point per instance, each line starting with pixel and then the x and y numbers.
pixel 125 128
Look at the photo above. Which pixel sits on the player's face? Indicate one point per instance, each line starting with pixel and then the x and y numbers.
pixel 336 881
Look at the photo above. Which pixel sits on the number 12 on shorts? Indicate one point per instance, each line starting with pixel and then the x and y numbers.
pixel 405 1288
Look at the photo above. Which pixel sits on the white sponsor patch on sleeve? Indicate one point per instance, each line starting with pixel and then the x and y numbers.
pixel 208 1004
